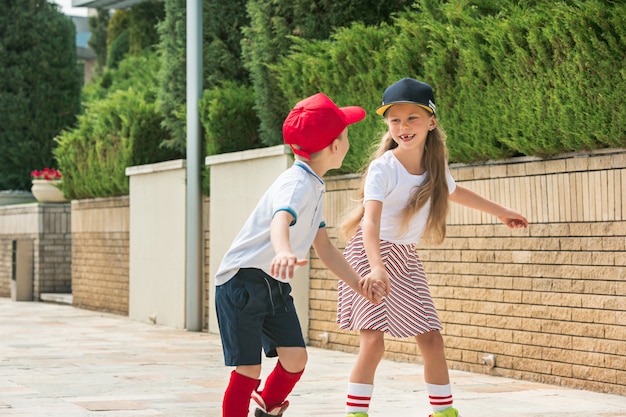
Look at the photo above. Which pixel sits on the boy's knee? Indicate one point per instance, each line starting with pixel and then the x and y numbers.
pixel 293 359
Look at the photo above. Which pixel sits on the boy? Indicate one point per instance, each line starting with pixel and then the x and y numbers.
pixel 254 308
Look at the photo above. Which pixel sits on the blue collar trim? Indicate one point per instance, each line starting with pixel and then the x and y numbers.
pixel 308 169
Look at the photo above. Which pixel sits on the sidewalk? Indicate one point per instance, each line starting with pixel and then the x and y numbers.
pixel 58 360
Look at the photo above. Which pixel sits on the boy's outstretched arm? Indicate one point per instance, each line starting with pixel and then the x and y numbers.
pixel 285 261
pixel 334 260
pixel 469 198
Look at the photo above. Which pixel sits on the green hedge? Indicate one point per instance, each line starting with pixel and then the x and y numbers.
pixel 276 24
pixel 120 127
pixel 228 118
pixel 531 80
pixel 347 69
pixel 510 78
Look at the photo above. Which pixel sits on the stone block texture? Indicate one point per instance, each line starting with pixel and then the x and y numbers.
pixel 100 254
pixel 548 301
pixel 48 227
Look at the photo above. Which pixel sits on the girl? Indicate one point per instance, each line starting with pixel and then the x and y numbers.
pixel 404 197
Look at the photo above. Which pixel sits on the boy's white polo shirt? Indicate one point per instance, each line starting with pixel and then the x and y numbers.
pixel 297 190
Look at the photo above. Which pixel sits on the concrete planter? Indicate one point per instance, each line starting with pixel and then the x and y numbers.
pixel 47 191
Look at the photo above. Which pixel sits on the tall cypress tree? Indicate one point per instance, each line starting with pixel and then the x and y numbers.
pixel 40 86
pixel 172 78
pixel 267 40
pixel 98 26
pixel 222 24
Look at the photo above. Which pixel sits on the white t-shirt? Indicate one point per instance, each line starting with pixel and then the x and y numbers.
pixel 299 191
pixel 389 182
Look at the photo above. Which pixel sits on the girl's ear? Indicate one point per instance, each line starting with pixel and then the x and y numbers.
pixel 433 124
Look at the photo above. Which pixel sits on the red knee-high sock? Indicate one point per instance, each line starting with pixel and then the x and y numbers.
pixel 236 401
pixel 278 385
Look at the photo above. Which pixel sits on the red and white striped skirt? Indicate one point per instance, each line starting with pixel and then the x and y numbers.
pixel 407 311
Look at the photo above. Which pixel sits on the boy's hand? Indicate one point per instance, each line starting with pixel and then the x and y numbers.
pixel 283 265
pixel 375 285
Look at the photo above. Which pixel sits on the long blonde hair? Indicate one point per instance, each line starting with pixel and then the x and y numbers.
pixel 435 188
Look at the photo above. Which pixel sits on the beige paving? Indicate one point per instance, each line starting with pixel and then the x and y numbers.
pixel 60 361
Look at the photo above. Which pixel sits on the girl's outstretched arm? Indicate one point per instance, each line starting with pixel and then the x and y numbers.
pixel 469 198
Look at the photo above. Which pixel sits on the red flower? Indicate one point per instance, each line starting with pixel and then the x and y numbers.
pixel 48 174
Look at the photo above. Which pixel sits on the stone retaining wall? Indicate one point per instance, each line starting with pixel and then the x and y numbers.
pixel 48 226
pixel 100 254
pixel 549 301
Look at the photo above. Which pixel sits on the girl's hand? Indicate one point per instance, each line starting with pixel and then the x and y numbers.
pixel 513 219
pixel 283 265
pixel 375 285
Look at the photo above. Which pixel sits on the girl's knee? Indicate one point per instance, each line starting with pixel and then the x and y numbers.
pixel 373 344
pixel 430 341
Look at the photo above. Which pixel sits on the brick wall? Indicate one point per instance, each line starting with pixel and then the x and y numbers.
pixel 48 226
pixel 549 301
pixel 100 254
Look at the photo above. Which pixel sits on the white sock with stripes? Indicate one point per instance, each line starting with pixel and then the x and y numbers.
pixel 359 396
pixel 440 396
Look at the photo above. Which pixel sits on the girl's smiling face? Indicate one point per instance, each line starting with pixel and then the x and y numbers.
pixel 409 124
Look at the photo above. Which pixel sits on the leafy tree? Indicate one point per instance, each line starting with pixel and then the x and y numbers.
pixel 39 86
pixel 223 20
pixel 98 25
pixel 118 49
pixel 528 77
pixel 274 23
pixel 120 21
pixel 121 127
pixel 222 42
pixel 172 77
pixel 144 20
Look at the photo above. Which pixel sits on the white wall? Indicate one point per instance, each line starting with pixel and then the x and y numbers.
pixel 157 253
pixel 238 180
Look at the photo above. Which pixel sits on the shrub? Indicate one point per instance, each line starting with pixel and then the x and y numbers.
pixel 144 19
pixel 229 119
pixel 118 23
pixel 39 87
pixel 118 49
pixel 119 131
pixel 120 127
pixel 136 71
pixel 275 24
pixel 172 76
pixel 510 78
pixel 98 26
pixel 351 69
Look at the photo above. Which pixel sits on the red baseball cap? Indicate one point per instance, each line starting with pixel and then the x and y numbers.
pixel 315 122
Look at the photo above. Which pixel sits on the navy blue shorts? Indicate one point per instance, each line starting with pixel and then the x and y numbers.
pixel 255 311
